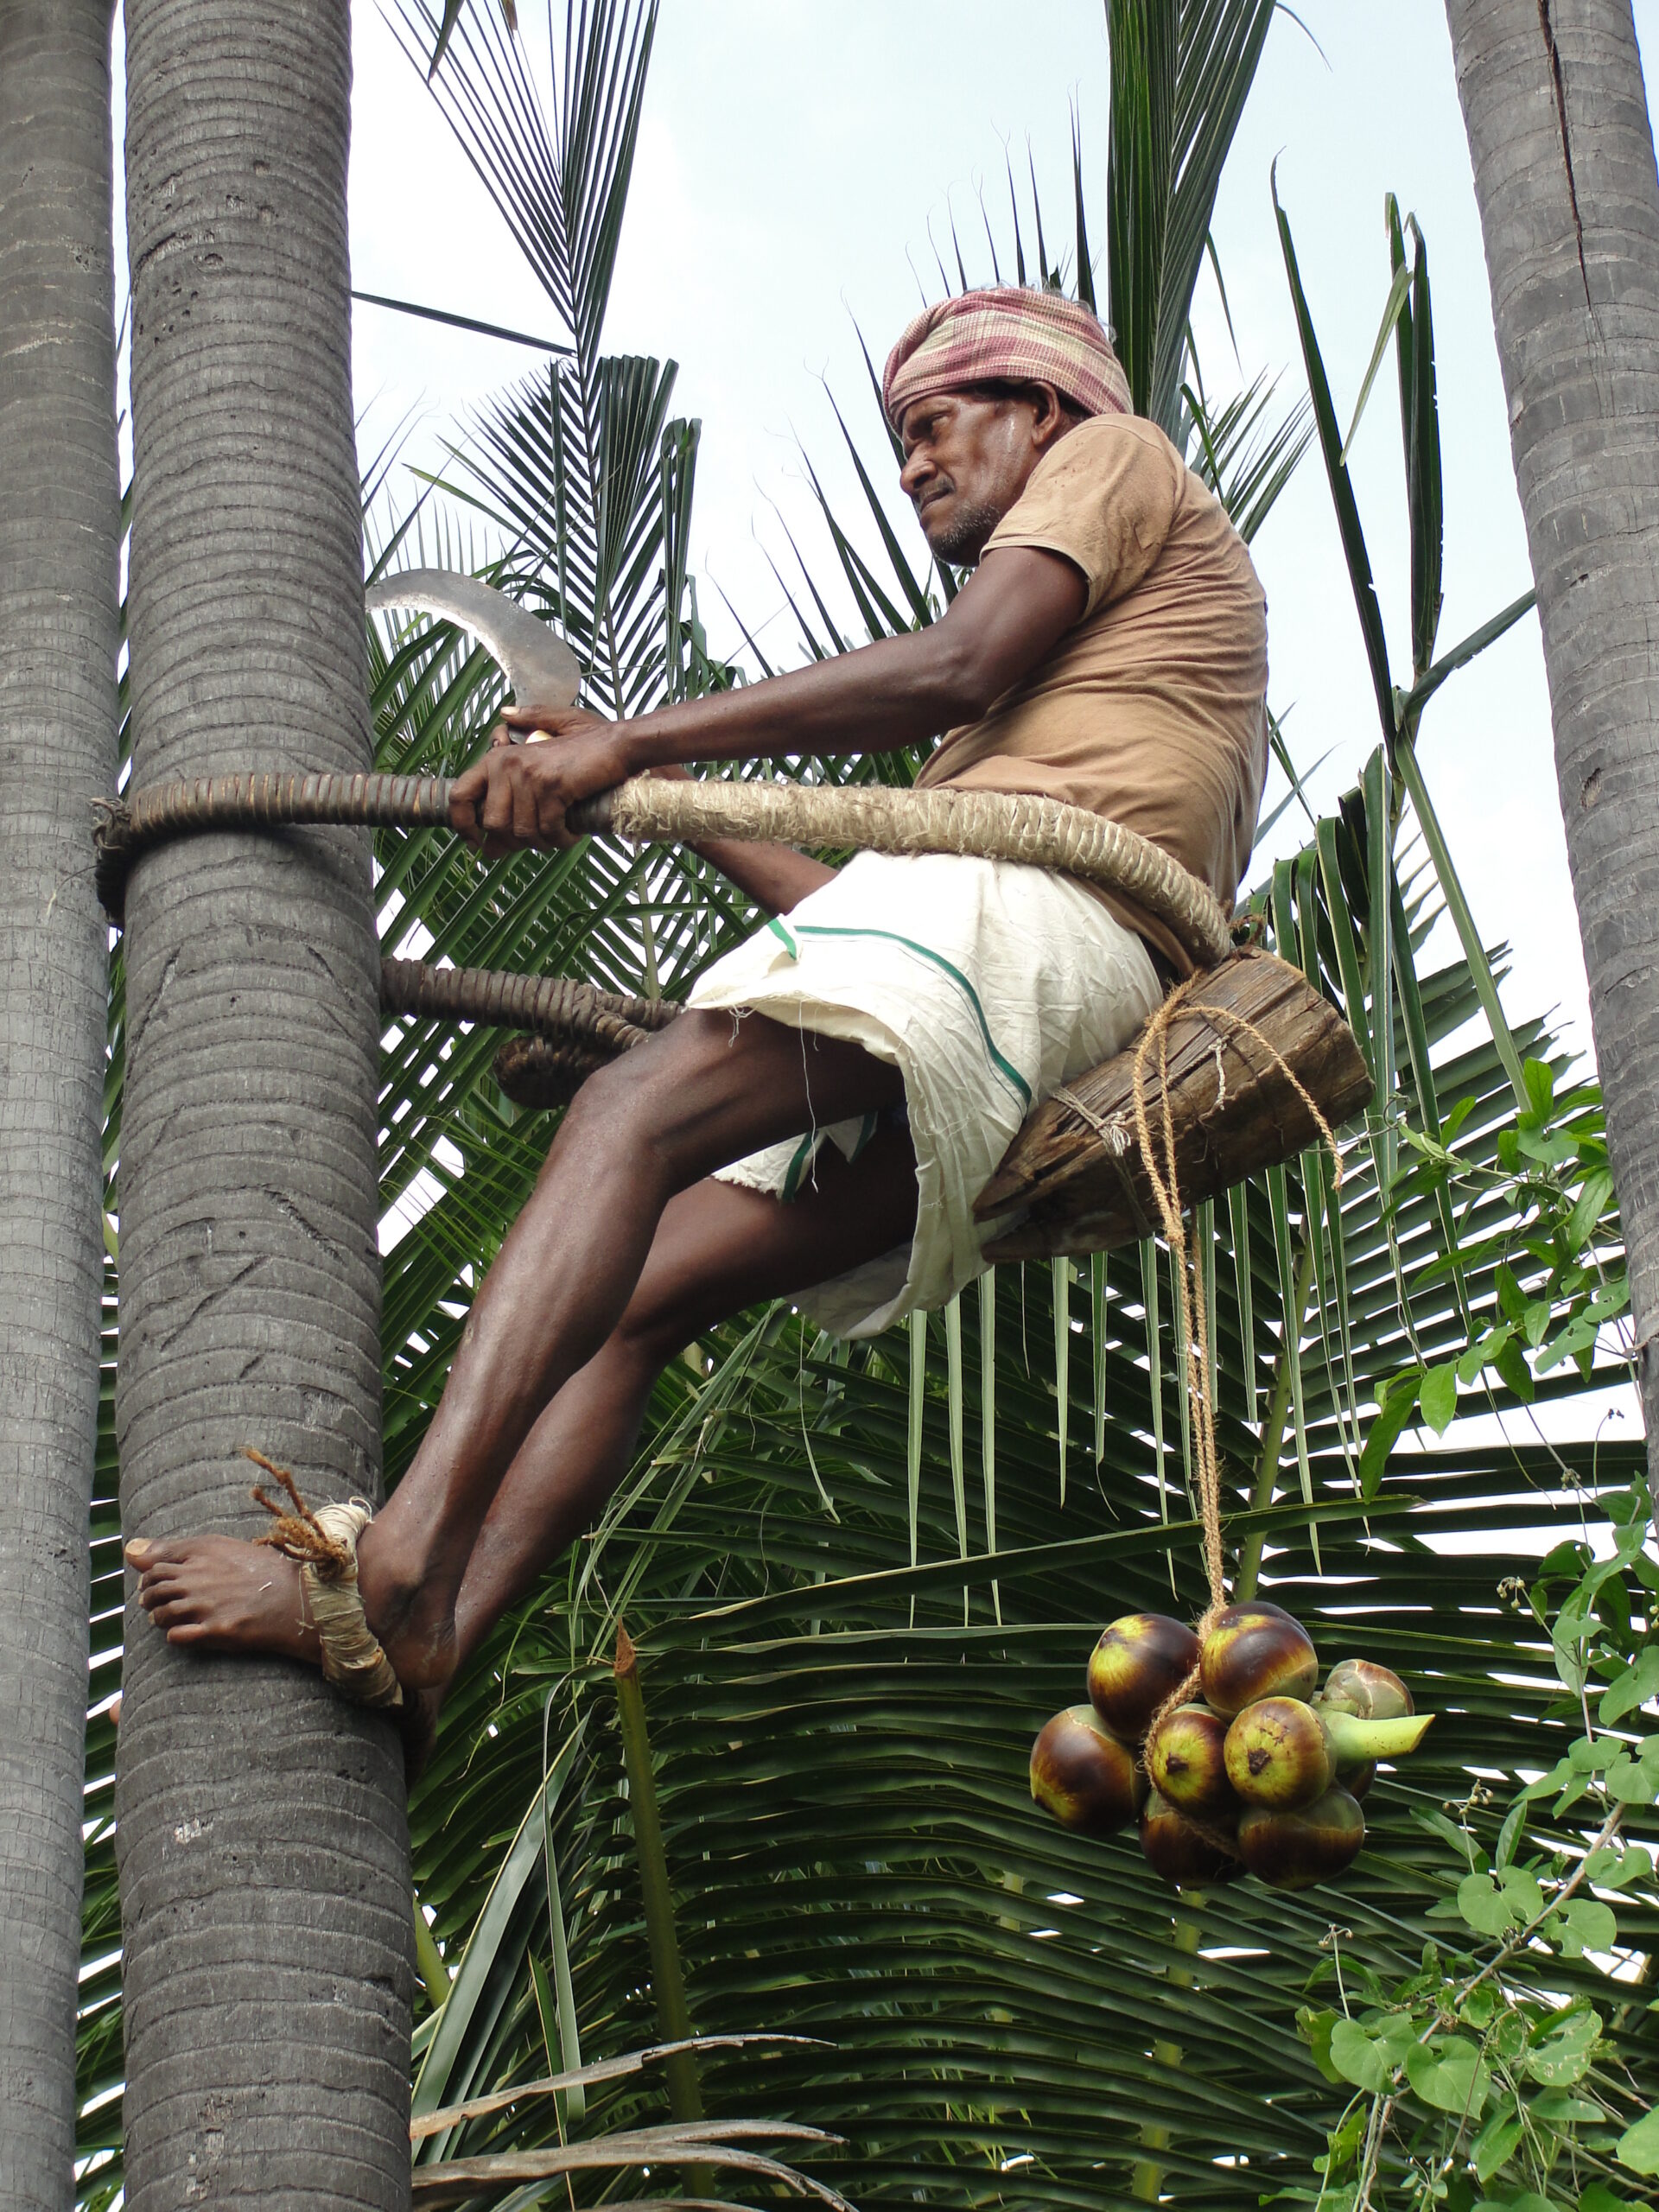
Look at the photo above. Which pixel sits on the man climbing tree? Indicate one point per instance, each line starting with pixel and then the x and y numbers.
pixel 1109 651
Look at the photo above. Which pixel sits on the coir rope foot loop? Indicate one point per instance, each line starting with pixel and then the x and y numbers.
pixel 323 1541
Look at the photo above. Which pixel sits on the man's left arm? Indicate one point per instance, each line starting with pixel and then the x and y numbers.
pixel 1003 623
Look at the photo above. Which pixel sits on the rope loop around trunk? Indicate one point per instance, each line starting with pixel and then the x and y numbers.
pixel 554 1006
pixel 991 825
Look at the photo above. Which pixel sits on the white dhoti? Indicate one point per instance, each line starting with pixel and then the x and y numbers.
pixel 988 984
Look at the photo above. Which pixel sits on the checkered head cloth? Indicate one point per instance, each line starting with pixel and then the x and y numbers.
pixel 1007 332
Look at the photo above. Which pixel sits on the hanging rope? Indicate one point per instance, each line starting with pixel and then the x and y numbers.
pixel 1189 1275
pixel 991 825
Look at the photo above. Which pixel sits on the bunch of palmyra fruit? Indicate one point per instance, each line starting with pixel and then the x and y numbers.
pixel 1265 1771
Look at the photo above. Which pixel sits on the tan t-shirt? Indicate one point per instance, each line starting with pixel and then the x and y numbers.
pixel 1152 708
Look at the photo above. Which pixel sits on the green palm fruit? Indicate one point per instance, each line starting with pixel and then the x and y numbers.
pixel 1253 1651
pixel 1180 1852
pixel 1185 1760
pixel 1283 1754
pixel 1276 1754
pixel 1363 1688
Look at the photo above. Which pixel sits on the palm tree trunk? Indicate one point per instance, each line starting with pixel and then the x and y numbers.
pixel 60 511
pixel 264 1853
pixel 1557 118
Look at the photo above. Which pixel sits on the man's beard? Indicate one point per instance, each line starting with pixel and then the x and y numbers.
pixel 962 543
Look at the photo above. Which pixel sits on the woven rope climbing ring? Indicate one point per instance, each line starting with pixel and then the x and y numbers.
pixel 989 825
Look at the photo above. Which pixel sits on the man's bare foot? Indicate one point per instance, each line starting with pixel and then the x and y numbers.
pixel 218 1594
pixel 214 1593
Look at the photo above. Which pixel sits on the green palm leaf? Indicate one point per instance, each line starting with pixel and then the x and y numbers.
pixel 1182 75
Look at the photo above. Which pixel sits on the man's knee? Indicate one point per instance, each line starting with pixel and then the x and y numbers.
pixel 662 1097
pixel 622 1099
pixel 655 1328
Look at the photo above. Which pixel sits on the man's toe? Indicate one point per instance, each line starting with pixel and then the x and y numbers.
pixel 146 1553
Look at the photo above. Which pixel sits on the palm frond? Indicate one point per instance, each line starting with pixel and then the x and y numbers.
pixel 1181 79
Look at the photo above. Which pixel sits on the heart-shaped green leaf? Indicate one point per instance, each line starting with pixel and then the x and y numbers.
pixel 1451 2078
pixel 1487 1909
pixel 1358 2057
pixel 1563 2056
pixel 1639 2146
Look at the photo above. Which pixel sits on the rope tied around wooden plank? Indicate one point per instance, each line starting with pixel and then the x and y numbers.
pixel 1073 1179
pixel 990 825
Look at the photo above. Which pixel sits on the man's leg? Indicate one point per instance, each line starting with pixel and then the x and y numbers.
pixel 703 1093
pixel 719 1250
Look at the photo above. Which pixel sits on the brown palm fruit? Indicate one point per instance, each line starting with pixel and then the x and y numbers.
pixel 1282 1753
pixel 1356 1780
pixel 1276 1754
pixel 1134 1668
pixel 1368 1691
pixel 1180 1852
pixel 1185 1760
pixel 1083 1776
pixel 1293 1850
pixel 1252 1651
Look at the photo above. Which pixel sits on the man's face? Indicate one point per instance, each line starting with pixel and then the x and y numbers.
pixel 967 458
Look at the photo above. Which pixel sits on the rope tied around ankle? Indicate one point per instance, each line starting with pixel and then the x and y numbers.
pixel 1189 1275
pixel 322 1542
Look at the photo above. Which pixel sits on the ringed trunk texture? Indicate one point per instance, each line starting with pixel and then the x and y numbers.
pixel 263 1851
pixel 1557 118
pixel 59 512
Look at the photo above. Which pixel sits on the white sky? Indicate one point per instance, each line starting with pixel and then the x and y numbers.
pixel 794 155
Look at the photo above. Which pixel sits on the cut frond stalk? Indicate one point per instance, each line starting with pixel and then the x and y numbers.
pixel 913 1444
pixel 953 1385
pixel 1060 1276
pixel 1238 1215
pixel 1099 1295
pixel 667 1974
pixel 987 1415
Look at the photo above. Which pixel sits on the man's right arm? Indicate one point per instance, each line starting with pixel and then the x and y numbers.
pixel 1002 623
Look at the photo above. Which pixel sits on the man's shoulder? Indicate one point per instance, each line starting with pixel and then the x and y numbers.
pixel 1105 442
pixel 1146 467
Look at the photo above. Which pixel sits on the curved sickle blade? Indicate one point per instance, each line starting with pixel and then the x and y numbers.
pixel 540 667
